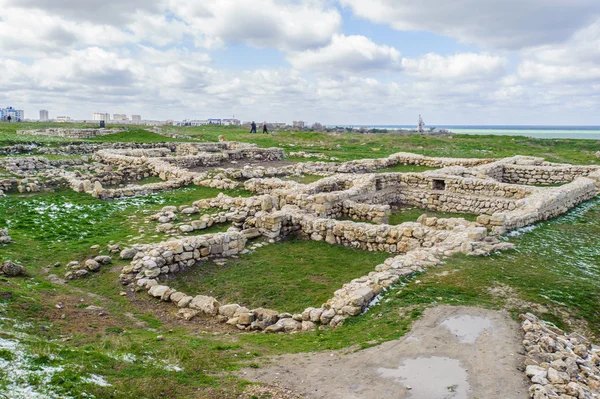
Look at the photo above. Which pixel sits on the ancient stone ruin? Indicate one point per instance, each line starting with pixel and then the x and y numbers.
pixel 350 205
pixel 70 133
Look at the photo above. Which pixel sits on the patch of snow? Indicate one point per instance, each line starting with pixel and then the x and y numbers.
pixel 522 230
pixel 16 375
pixel 96 380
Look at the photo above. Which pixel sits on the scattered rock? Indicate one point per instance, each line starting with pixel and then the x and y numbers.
pixel 11 269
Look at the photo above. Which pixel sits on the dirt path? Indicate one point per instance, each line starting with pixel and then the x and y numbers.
pixel 451 353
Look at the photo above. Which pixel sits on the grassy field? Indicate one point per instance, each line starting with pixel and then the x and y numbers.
pixel 348 146
pixel 288 277
pixel 136 347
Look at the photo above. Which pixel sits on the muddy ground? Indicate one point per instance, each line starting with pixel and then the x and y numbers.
pixel 451 353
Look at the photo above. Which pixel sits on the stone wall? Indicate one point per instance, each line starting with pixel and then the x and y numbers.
pixel 8 185
pixel 543 205
pixel 431 240
pixel 545 174
pixel 154 260
pixel 429 190
pixel 533 171
pixel 70 133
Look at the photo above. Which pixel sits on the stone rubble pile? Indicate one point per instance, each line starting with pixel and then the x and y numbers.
pixel 4 237
pixel 168 215
pixel 78 270
pixel 559 365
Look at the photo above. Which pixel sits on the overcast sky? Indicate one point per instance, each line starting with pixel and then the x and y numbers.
pixel 335 62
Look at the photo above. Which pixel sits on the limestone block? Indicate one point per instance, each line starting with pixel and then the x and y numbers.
pixel 205 304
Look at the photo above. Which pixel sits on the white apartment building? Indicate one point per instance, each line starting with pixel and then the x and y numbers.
pixel 120 117
pixel 101 116
pixel 16 115
pixel 232 122
pixel 136 118
pixel 44 115
pixel 298 124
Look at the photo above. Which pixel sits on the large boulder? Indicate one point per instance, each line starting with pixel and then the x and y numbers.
pixel 103 259
pixel 285 325
pixel 205 304
pixel 128 253
pixel 11 269
pixel 92 265
pixel 228 310
pixel 267 315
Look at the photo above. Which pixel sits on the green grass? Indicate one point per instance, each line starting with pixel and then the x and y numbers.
pixel 289 277
pixel 557 266
pixel 412 214
pixel 358 146
pixel 65 224
pixel 135 135
pixel 349 146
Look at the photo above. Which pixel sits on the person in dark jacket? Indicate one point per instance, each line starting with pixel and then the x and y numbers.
pixel 265 128
pixel 253 127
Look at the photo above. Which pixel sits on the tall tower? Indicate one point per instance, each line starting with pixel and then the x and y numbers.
pixel 421 128
pixel 44 115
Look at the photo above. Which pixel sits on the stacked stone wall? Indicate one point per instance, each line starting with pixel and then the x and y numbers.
pixel 545 175
pixel 70 133
pixel 545 204
pixel 154 260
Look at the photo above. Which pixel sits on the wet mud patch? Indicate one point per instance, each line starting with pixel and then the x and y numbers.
pixel 451 353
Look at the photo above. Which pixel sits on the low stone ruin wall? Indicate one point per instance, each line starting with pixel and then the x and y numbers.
pixel 428 190
pixel 8 185
pixel 24 166
pixel 70 133
pixel 545 174
pixel 367 237
pixel 373 213
pixel 154 260
pixel 533 171
pixel 199 160
pixel 545 204
pixel 152 263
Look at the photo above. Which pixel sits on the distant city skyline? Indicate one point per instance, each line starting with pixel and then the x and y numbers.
pixel 354 62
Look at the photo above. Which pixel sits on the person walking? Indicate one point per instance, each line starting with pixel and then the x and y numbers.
pixel 265 128
pixel 253 127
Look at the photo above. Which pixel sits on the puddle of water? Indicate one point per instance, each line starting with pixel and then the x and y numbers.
pixel 467 328
pixel 431 378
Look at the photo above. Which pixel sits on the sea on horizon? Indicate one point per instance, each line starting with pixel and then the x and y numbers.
pixel 542 132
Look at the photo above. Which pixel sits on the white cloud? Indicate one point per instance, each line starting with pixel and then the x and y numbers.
pixel 281 24
pixel 575 61
pixel 460 67
pixel 548 73
pixel 512 24
pixel 104 12
pixel 347 53
pixel 173 59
